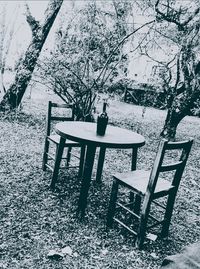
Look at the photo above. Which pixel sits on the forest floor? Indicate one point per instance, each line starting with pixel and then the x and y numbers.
pixel 34 220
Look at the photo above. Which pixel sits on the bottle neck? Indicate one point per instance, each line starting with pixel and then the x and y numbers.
pixel 104 107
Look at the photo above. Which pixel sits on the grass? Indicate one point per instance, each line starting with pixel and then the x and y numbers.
pixel 35 220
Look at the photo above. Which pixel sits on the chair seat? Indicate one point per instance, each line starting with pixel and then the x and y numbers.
pixel 139 179
pixel 56 139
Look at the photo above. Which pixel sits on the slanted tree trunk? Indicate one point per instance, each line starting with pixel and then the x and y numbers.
pixel 182 100
pixel 181 106
pixel 14 94
pixel 171 123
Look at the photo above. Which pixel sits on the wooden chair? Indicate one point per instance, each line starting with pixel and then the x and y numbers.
pixel 52 117
pixel 148 186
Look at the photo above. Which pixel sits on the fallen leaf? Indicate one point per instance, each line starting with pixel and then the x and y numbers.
pixel 104 251
pixel 154 256
pixel 132 253
pixel 75 254
pixel 152 237
pixel 96 257
pixel 54 254
pixel 67 250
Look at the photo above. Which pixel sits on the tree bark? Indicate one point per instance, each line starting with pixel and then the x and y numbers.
pixel 14 94
pixel 171 122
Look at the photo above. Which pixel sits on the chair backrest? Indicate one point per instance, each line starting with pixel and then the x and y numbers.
pixel 179 152
pixel 54 114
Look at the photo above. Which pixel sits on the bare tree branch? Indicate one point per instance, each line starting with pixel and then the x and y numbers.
pixel 191 17
pixel 166 17
pixel 82 82
pixel 175 16
pixel 34 25
pixel 119 44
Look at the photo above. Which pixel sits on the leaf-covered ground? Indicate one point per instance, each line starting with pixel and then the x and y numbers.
pixel 35 220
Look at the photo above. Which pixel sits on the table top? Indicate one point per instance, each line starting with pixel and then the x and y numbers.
pixel 85 132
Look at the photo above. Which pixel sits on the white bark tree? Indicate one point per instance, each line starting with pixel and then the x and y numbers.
pixel 13 95
pixel 6 37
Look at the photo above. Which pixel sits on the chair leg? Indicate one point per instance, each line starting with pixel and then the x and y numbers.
pixel 141 234
pixel 131 199
pixel 134 198
pixel 142 225
pixel 112 203
pixel 68 155
pixel 137 204
pixel 82 160
pixel 168 214
pixel 45 155
pixel 59 153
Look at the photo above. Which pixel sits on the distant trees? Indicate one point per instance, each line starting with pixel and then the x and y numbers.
pixel 40 31
pixel 6 35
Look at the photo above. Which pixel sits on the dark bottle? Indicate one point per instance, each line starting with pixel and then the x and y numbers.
pixel 102 121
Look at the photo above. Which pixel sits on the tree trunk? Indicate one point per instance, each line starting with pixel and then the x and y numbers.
pixel 14 94
pixel 171 122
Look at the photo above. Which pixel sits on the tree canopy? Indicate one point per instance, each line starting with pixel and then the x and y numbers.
pixel 85 59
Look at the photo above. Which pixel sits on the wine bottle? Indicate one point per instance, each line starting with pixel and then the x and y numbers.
pixel 102 121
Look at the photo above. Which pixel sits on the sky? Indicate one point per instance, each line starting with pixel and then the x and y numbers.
pixel 15 18
pixel 22 34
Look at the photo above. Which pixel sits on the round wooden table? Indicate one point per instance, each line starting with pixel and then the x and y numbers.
pixel 85 133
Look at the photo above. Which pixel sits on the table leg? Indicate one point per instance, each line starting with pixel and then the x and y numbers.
pixel 81 163
pixel 59 154
pixel 87 173
pixel 100 164
pixel 134 159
